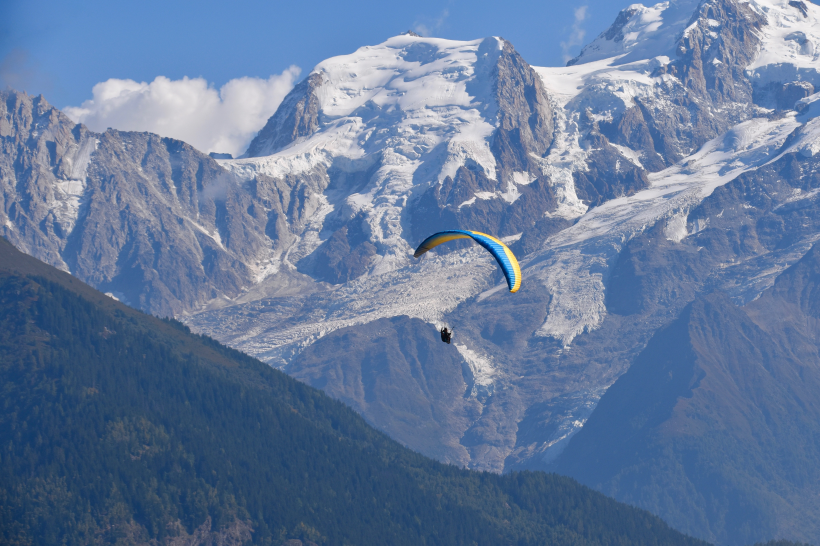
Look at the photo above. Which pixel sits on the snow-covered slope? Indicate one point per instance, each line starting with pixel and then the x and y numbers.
pixel 640 32
pixel 386 123
pixel 401 107
pixel 790 43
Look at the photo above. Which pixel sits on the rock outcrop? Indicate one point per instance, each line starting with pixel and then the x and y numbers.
pixel 296 117
pixel 151 220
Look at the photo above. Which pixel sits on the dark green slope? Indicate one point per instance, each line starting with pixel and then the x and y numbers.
pixel 120 428
pixel 716 426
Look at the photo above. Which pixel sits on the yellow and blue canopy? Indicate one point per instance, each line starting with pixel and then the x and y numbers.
pixel 502 254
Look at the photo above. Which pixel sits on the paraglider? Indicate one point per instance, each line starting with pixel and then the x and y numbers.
pixel 446 335
pixel 502 254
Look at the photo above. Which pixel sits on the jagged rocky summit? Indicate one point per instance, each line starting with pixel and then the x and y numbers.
pixel 675 157
pixel 150 220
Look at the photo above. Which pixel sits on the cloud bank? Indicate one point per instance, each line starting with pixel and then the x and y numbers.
pixel 211 120
pixel 576 35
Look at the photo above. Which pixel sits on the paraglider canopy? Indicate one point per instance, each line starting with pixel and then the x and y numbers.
pixel 502 254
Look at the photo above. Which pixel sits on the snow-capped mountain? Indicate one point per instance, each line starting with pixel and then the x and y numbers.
pixel 675 156
pixel 410 143
pixel 671 103
pixel 410 135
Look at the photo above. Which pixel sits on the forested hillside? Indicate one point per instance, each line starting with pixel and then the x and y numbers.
pixel 120 428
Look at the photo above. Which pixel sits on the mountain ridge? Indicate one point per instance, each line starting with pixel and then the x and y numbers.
pixel 736 388
pixel 680 162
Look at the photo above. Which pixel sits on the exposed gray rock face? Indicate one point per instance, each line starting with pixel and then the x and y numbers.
pixel 800 6
pixel 296 117
pixel 344 256
pixel 653 274
pixel 710 66
pixel 782 96
pixel 454 205
pixel 709 91
pixel 631 129
pixel 533 238
pixel 608 175
pixel 525 116
pixel 43 167
pixel 135 237
pixel 149 219
pixel 524 130
pixel 403 361
pixel 712 58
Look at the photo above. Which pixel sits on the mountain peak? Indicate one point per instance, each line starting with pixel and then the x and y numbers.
pixel 640 32
pixel 411 116
pixel 407 75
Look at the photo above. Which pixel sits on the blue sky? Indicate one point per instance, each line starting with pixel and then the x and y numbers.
pixel 63 48
pixel 211 73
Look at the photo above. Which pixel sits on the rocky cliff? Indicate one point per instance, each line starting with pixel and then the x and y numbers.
pixel 150 220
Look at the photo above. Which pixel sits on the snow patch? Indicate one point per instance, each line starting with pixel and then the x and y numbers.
pixel 645 33
pixel 481 367
pixel 213 236
pixel 675 229
pixel 809 107
pixel 789 43
pixel 577 290
pixel 523 178
pixel 633 156
pixel 67 195
pixel 468 202
pixel 511 238
pixel 799 195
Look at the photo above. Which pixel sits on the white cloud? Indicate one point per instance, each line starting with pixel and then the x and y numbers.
pixel 577 34
pixel 434 27
pixel 189 109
